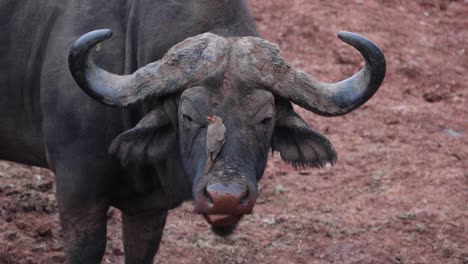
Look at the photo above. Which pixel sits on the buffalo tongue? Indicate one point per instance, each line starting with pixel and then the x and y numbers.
pixel 221 219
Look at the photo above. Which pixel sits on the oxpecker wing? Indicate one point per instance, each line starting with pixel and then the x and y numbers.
pixel 214 140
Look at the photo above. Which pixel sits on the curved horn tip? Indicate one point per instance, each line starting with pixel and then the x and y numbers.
pixel 348 35
pixel 78 61
pixel 92 38
pixel 344 35
pixel 353 38
pixel 359 41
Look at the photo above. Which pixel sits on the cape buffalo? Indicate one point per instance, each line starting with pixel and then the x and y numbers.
pixel 132 133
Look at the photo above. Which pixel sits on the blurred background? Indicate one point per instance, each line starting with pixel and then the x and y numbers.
pixel 399 191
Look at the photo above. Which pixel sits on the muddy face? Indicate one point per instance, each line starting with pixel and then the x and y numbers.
pixel 229 190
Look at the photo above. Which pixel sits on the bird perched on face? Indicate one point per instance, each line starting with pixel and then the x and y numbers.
pixel 214 140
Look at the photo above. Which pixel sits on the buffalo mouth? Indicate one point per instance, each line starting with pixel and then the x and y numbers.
pixel 222 224
pixel 223 204
pixel 222 220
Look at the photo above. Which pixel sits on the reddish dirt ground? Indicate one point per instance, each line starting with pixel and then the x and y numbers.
pixel 399 192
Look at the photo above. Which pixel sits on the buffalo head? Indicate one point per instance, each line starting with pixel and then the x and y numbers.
pixel 245 82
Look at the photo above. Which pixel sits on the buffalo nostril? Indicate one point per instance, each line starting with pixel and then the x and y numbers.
pixel 207 195
pixel 231 194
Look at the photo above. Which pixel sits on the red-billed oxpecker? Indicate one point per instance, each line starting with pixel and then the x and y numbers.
pixel 214 140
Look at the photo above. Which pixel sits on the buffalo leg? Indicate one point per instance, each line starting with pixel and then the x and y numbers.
pixel 84 233
pixel 142 234
pixel 83 201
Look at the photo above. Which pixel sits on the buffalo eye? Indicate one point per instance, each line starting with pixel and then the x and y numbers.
pixel 187 118
pixel 266 121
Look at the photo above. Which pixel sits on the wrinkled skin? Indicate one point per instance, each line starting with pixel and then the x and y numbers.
pixel 147 156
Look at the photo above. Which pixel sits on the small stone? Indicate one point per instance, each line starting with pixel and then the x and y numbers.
pixel 279 189
pixel 407 216
pixel 421 228
pixel 269 221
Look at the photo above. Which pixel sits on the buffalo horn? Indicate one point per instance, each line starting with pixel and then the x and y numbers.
pixel 186 63
pixel 272 73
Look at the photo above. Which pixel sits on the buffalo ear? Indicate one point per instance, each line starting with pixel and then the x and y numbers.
pixel 298 143
pixel 148 142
